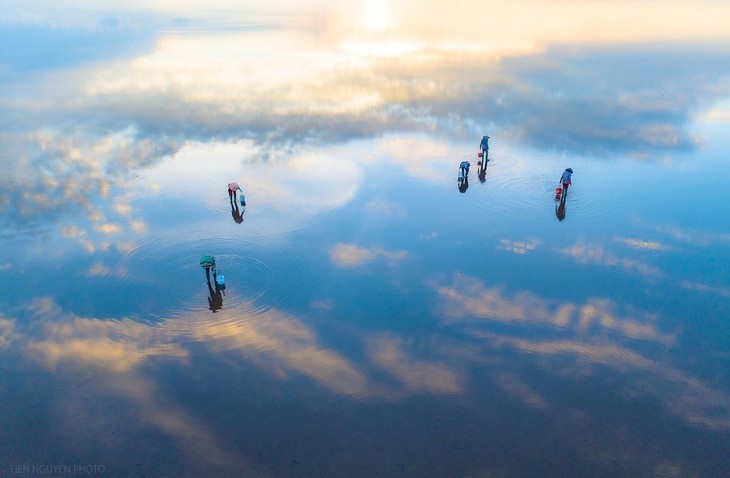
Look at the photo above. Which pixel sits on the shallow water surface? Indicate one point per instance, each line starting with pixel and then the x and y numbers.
pixel 377 319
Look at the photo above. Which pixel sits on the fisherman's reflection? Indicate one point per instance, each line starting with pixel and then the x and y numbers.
pixel 215 300
pixel 463 183
pixel 560 208
pixel 236 213
pixel 482 170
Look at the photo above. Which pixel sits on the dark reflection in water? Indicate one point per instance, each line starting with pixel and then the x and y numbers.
pixel 560 207
pixel 372 321
pixel 482 172
pixel 236 213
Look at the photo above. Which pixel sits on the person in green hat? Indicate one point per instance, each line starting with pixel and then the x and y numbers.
pixel 207 262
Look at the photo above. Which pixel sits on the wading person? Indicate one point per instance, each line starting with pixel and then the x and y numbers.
pixel 464 168
pixel 566 179
pixel 484 147
pixel 207 262
pixel 232 189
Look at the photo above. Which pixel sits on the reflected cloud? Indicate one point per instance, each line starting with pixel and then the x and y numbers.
pixel 417 375
pixel 51 176
pixel 519 247
pixel 385 208
pixel 119 345
pixel 123 354
pixel 697 237
pixel 597 255
pixel 643 244
pixel 467 303
pixel 272 340
pixel 232 82
pixel 349 255
pixel 114 351
pixel 711 289
pixel 215 86
pixel 283 345
pixel 108 228
pixel 467 299
pixel 7 332
pixel 98 269
pixel 682 394
pixel 196 438
pixel 421 157
pixel 518 388
pixel 73 232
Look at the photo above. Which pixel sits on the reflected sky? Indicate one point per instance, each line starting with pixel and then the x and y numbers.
pixel 376 320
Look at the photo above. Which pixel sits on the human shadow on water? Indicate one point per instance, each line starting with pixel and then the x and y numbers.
pixel 215 300
pixel 463 183
pixel 560 207
pixel 236 213
pixel 482 170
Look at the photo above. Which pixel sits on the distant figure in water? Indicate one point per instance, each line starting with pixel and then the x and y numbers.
pixel 236 213
pixel 207 262
pixel 566 180
pixel 233 188
pixel 484 148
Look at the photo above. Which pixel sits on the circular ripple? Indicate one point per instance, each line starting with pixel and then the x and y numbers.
pixel 526 191
pixel 253 268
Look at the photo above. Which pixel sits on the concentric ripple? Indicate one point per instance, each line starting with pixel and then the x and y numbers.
pixel 512 190
pixel 252 266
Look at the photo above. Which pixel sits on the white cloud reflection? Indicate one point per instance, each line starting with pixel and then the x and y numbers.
pixel 350 255
pixel 583 339
pixel 468 298
pixel 417 375
pixel 593 335
pixel 598 255
pixel 277 342
pixel 519 247
pixel 294 79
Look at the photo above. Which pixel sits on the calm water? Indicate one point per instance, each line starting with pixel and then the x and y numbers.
pixel 377 320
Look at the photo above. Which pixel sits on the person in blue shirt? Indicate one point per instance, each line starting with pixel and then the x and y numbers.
pixel 566 179
pixel 464 168
pixel 484 147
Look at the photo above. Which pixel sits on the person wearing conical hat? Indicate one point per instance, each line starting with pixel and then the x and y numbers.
pixel 232 189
